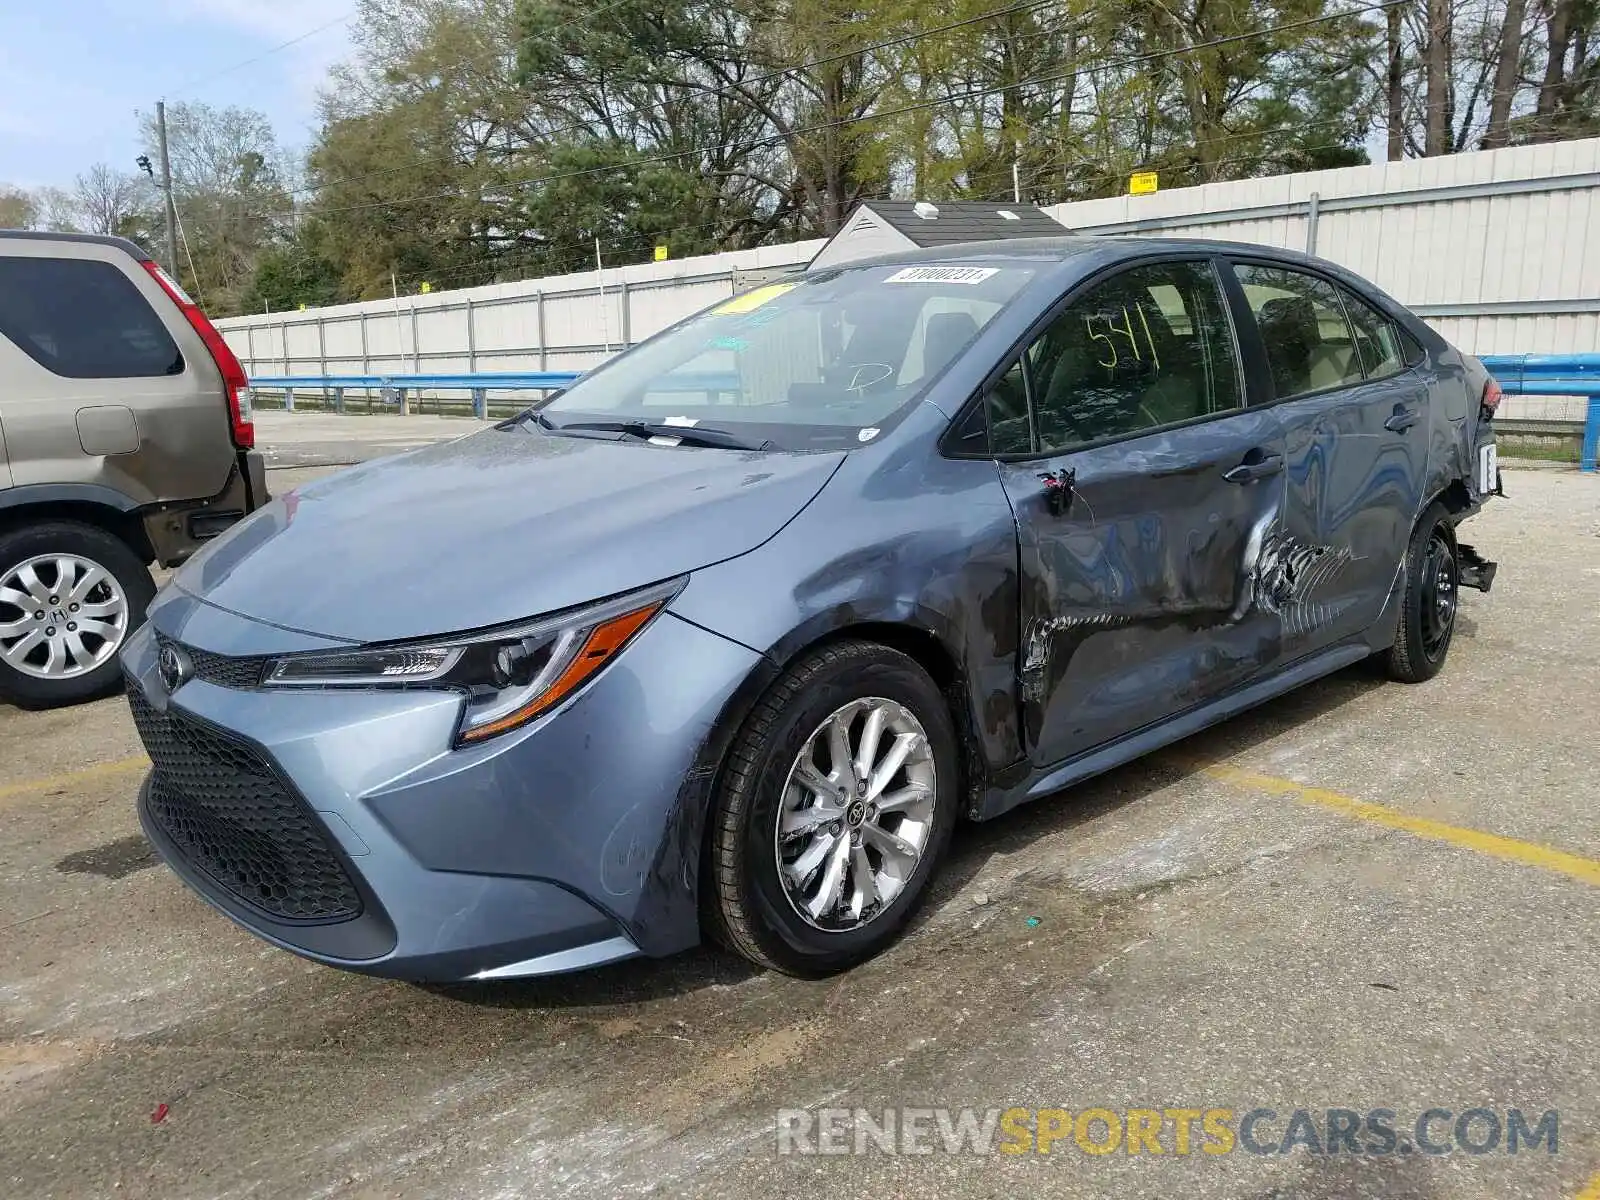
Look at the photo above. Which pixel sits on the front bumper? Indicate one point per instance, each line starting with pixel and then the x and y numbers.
pixel 568 843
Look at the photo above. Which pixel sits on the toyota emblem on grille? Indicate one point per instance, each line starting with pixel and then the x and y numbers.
pixel 174 666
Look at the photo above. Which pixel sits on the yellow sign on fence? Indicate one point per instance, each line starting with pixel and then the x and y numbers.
pixel 661 254
pixel 426 288
pixel 1142 183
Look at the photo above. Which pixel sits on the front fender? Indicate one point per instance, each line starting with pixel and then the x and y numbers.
pixel 925 544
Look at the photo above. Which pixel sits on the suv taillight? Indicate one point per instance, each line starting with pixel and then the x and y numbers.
pixel 234 381
pixel 1491 397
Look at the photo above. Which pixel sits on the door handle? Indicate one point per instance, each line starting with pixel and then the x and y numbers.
pixel 1251 470
pixel 1402 419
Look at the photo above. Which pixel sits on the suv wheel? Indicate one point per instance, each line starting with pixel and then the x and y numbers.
pixel 835 807
pixel 70 595
pixel 1428 608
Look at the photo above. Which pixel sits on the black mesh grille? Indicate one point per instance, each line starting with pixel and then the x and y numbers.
pixel 237 673
pixel 230 815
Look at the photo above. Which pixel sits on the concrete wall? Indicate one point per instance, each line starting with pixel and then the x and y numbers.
pixel 1499 250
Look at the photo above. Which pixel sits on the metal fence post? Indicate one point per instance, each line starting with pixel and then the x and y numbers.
pixel 416 350
pixel 1591 437
pixel 338 400
pixel 322 356
pixel 480 403
pixel 627 324
pixel 405 402
pixel 283 340
pixel 366 357
pixel 544 358
pixel 472 342
pixel 288 399
pixel 1313 210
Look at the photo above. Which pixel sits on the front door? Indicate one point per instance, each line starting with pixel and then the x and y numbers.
pixel 1355 422
pixel 1143 491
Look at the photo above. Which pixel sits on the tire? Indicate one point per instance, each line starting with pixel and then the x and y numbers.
pixel 748 905
pixel 1431 599
pixel 75 663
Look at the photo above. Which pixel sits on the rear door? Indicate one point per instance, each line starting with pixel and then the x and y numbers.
pixel 1355 422
pixel 1142 488
pixel 102 380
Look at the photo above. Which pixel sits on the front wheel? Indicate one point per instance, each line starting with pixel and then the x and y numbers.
pixel 70 595
pixel 1428 607
pixel 835 808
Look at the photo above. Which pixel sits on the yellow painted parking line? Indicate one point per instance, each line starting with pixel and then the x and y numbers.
pixel 67 779
pixel 1591 1190
pixel 1492 844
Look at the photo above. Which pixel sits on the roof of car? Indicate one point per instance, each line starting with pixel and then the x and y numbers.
pixel 95 239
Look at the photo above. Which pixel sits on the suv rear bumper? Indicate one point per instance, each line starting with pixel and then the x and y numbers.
pixel 177 530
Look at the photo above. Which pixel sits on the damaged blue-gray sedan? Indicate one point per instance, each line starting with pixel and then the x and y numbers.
pixel 722 641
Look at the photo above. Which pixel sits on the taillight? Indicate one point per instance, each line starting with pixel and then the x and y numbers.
pixel 1491 396
pixel 234 381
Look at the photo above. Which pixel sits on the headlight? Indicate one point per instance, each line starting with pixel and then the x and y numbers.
pixel 510 676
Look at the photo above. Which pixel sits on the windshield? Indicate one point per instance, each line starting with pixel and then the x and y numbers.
pixel 809 363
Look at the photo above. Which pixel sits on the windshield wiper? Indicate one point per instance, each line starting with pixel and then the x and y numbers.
pixel 689 435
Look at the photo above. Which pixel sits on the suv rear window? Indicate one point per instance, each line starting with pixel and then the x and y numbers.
pixel 83 319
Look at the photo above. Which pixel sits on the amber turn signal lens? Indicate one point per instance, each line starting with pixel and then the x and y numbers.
pixel 603 643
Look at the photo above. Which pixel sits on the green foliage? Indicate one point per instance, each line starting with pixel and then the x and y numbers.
pixel 476 141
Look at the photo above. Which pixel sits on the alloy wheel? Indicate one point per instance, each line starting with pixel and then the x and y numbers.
pixel 856 814
pixel 61 616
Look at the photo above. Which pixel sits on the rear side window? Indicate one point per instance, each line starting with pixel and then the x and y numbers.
pixel 83 320
pixel 1377 339
pixel 1308 341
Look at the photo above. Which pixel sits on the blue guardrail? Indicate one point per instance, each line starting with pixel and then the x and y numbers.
pixel 1518 374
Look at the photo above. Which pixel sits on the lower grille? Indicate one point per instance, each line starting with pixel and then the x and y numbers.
pixel 231 816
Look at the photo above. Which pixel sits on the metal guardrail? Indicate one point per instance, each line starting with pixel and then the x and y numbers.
pixel 1518 375
pixel 398 389
pixel 1555 375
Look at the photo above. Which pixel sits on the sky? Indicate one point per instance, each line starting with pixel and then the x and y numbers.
pixel 74 74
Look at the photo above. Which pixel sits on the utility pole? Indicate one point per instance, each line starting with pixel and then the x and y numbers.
pixel 166 188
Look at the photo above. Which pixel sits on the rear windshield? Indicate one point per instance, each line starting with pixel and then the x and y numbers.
pixel 808 363
pixel 83 319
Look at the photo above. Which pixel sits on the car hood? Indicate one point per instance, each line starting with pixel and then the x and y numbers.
pixel 493 528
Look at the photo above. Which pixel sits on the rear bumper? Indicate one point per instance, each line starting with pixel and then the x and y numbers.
pixel 176 531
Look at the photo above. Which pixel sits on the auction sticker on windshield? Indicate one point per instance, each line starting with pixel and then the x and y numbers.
pixel 968 275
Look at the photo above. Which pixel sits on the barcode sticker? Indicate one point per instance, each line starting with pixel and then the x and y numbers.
pixel 967 275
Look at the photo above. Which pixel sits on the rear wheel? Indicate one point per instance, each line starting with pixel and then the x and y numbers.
pixel 835 809
pixel 1428 608
pixel 70 595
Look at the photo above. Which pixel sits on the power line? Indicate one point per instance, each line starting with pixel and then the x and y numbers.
pixel 265 54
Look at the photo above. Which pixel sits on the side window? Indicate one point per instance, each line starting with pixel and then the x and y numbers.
pixel 1149 347
pixel 1308 341
pixel 83 319
pixel 1007 405
pixel 1377 339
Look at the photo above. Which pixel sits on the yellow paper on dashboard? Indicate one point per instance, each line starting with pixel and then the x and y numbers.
pixel 750 301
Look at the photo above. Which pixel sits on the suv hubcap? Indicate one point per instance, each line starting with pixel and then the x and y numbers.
pixel 61 616
pixel 856 812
